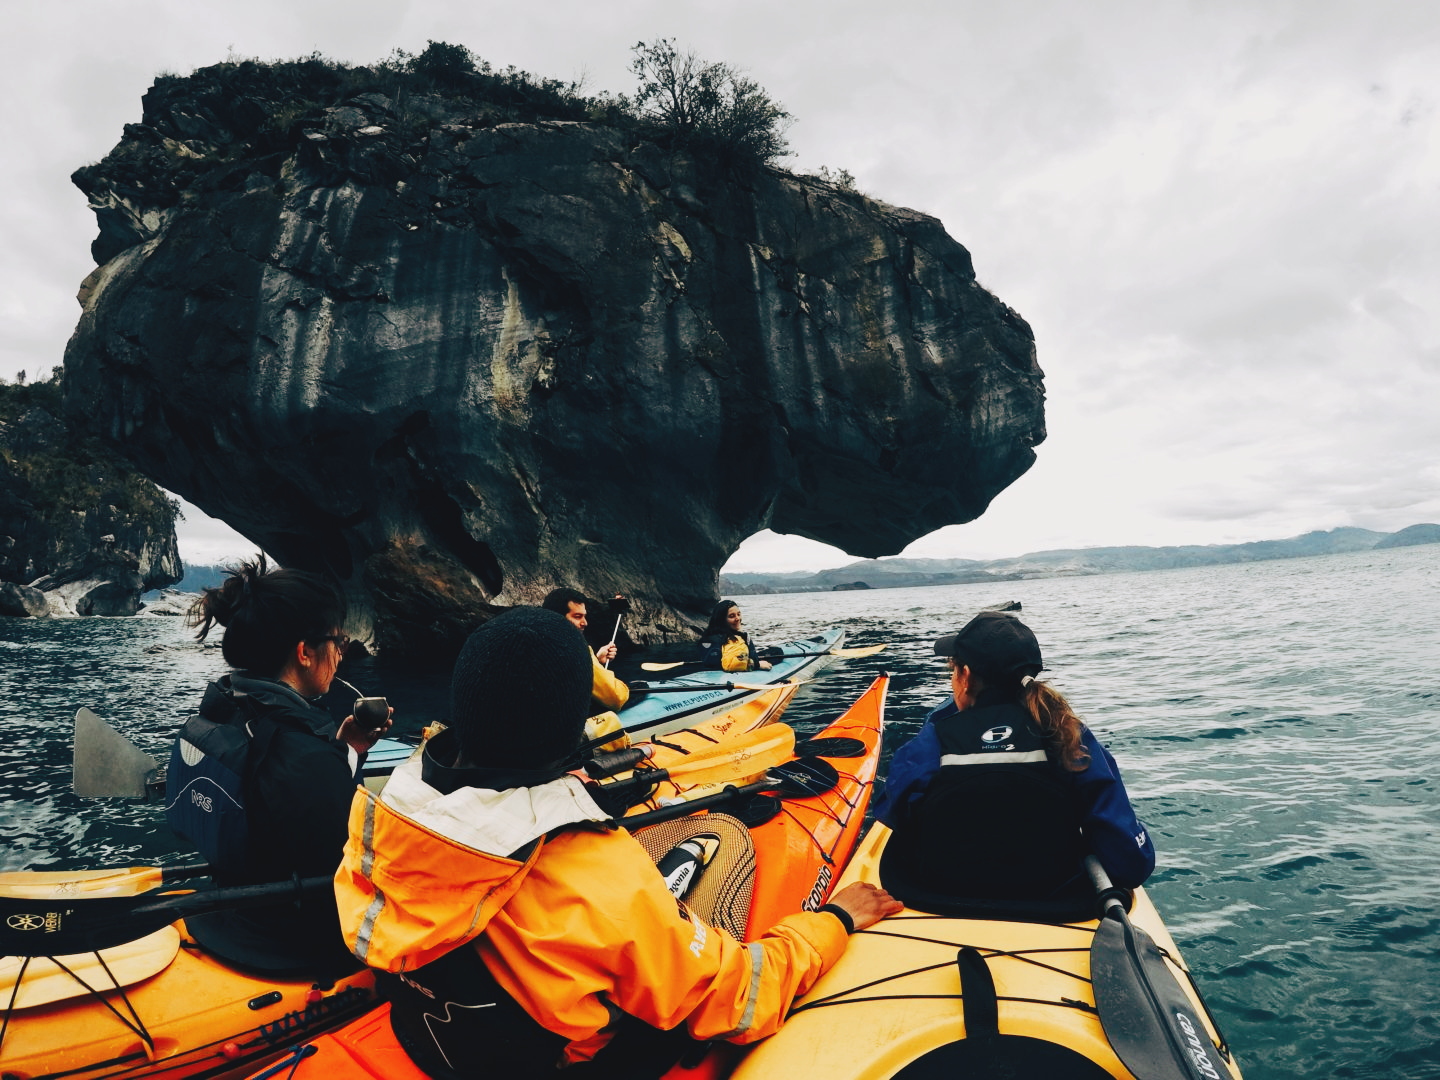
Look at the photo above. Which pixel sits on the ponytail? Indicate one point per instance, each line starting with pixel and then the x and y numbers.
pixel 266 613
pixel 1056 721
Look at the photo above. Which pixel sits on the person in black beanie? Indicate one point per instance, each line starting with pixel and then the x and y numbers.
pixel 1004 791
pixel 532 933
pixel 531 723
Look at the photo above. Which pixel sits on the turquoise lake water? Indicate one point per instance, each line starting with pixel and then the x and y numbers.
pixel 1273 721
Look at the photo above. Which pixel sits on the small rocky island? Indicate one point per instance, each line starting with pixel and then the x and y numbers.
pixel 80 532
pixel 458 337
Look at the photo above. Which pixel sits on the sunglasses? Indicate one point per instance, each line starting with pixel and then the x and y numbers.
pixel 342 641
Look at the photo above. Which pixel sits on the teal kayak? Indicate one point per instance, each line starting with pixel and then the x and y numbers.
pixel 673 706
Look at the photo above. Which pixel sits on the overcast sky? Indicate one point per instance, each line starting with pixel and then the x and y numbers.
pixel 1222 219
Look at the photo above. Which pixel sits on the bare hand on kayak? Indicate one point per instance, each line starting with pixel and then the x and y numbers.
pixel 606 653
pixel 358 738
pixel 866 904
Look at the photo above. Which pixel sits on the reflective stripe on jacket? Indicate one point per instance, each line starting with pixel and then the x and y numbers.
pixel 583 925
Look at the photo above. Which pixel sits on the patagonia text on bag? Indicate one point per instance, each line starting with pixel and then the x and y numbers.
pixel 205 785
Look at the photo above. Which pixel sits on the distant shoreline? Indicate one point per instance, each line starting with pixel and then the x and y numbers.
pixel 900 573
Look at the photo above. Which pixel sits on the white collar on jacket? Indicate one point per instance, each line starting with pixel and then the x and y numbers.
pixel 495 822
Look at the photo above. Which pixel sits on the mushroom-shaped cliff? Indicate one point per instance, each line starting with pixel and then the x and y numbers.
pixel 458 354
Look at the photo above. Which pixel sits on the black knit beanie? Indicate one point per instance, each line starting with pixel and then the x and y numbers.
pixel 520 692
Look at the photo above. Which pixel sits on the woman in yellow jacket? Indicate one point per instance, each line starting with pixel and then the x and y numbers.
pixel 726 647
pixel 523 931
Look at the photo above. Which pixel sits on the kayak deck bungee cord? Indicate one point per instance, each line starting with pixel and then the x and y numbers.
pixel 976 992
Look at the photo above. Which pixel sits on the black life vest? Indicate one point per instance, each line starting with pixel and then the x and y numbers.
pixel 207 784
pixel 454 1020
pixel 997 818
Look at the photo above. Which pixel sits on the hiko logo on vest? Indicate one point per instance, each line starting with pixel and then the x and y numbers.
pixel 997 738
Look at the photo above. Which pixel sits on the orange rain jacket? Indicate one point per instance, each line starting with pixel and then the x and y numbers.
pixel 584 922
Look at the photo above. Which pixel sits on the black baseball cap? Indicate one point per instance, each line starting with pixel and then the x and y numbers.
pixel 998 647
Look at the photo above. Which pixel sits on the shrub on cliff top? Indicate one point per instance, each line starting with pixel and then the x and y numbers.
pixel 708 106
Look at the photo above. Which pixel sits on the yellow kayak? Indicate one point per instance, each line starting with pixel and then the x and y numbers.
pixel 924 994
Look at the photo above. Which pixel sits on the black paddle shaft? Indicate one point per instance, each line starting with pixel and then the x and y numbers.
pixel 81 924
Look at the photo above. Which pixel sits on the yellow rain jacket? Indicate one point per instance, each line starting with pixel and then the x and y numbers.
pixel 605 687
pixel 582 925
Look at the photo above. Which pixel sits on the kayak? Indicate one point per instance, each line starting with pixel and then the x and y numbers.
pixel 162 1006
pixel 159 1006
pixel 672 704
pixel 906 1000
pixel 798 854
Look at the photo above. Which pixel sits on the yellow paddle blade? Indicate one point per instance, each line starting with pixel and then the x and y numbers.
pixel 859 650
pixel 750 753
pixel 44 982
pixel 702 739
pixel 57 884
pixel 736 761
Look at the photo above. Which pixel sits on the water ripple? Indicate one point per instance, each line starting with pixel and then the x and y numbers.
pixel 1271 720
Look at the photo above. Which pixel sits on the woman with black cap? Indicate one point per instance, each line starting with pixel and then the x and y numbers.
pixel 1004 791
pixel 524 931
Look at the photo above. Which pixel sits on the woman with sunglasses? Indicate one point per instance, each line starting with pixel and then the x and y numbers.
pixel 293 770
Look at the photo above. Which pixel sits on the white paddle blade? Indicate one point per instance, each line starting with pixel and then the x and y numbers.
pixel 106 762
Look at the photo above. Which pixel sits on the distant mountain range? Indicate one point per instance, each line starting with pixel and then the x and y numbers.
pixel 1070 562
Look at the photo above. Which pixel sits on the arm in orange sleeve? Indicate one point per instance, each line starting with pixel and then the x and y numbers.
pixel 595 926
pixel 672 968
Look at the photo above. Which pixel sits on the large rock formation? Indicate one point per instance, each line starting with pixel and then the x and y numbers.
pixel 457 361
pixel 80 533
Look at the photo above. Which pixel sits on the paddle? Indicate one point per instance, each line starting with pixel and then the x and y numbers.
pixel 35 927
pixel 705 688
pixel 107 763
pixel 771 748
pixel 781 779
pixel 620 606
pixel 1151 1022
pixel 849 654
pixel 126 881
pixel 746 755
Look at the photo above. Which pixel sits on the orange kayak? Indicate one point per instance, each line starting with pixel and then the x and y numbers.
pixel 162 1006
pixel 176 1012
pixel 799 856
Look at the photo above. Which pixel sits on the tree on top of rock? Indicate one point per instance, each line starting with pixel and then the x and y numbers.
pixel 708 106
